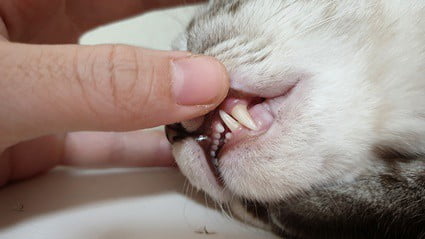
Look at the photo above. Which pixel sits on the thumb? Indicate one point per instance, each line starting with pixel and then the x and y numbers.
pixel 53 89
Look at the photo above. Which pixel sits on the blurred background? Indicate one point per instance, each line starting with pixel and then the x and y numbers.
pixel 118 203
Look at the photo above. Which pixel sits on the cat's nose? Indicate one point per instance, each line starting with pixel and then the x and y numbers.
pixel 175 132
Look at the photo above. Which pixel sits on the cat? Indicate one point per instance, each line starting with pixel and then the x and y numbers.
pixel 322 134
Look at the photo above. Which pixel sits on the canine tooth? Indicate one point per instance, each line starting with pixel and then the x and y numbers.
pixel 241 114
pixel 219 127
pixel 229 121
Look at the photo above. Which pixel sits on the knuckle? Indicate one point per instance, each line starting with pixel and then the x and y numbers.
pixel 124 78
pixel 114 72
pixel 83 75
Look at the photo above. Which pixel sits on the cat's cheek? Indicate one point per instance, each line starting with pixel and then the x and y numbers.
pixel 272 167
pixel 267 86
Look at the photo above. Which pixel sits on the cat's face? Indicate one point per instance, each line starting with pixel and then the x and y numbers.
pixel 306 106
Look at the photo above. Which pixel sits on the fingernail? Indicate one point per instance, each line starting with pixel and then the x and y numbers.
pixel 198 80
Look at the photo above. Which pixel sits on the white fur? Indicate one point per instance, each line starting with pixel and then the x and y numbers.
pixel 362 70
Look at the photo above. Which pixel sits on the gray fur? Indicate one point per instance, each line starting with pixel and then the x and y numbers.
pixel 348 159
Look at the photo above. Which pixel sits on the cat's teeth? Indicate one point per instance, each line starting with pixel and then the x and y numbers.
pixel 228 135
pixel 212 153
pixel 215 162
pixel 219 127
pixel 241 114
pixel 214 147
pixel 229 121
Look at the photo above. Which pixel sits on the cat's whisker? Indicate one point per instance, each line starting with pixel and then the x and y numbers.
pixel 189 189
pixel 206 199
pixel 186 187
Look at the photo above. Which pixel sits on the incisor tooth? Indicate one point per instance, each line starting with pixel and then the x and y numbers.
pixel 229 121
pixel 215 162
pixel 241 114
pixel 219 127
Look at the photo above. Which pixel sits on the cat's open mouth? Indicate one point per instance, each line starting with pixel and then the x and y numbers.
pixel 241 117
pixel 237 119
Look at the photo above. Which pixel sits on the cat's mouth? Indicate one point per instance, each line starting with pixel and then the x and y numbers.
pixel 241 117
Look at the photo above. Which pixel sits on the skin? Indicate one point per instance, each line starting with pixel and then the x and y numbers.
pixel 85 105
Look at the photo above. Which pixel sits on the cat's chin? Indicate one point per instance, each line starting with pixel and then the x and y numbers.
pixel 194 164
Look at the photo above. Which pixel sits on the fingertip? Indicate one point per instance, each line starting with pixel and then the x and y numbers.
pixel 199 80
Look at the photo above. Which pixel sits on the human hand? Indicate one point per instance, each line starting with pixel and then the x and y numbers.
pixel 47 91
